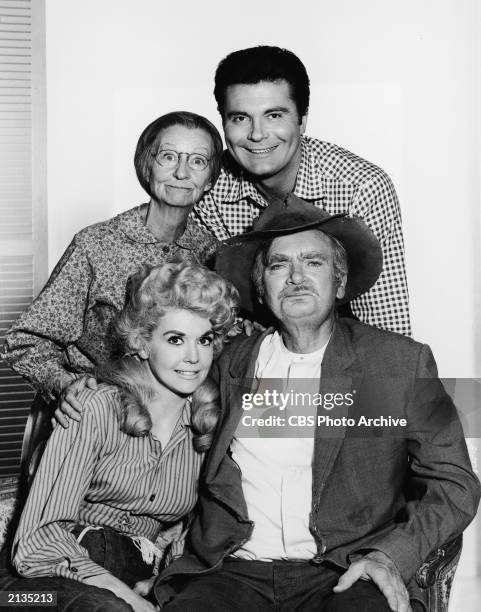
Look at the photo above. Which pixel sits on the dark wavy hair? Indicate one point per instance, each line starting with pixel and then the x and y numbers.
pixel 148 144
pixel 263 63
pixel 152 292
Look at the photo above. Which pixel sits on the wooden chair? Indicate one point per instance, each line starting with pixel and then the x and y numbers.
pixel 436 574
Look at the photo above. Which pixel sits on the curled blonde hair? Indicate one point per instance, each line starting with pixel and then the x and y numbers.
pixel 151 293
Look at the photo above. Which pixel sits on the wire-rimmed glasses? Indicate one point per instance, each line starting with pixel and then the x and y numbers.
pixel 170 159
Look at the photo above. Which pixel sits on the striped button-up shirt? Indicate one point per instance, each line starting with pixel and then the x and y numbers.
pixel 337 181
pixel 94 474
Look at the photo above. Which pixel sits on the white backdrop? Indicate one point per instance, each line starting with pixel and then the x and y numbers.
pixel 396 81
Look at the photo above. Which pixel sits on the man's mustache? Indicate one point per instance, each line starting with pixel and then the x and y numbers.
pixel 292 291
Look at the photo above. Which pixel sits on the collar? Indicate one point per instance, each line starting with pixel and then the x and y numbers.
pixel 307 357
pixel 308 181
pixel 185 417
pixel 339 353
pixel 308 184
pixel 244 356
pixel 338 356
pixel 131 223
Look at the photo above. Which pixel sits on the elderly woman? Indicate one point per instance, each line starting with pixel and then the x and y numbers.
pixel 63 335
pixel 123 477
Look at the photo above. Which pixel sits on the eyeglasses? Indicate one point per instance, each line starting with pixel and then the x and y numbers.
pixel 170 159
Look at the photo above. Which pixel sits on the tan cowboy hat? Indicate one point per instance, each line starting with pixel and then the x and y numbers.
pixel 235 258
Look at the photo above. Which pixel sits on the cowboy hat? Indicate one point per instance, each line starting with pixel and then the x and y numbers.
pixel 236 256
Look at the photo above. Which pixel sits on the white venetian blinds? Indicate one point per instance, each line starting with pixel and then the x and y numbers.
pixel 21 88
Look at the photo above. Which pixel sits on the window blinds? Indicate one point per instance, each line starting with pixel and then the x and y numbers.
pixel 17 247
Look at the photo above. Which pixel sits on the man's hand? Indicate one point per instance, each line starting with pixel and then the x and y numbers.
pixel 68 404
pixel 382 570
pixel 143 587
pixel 246 326
pixel 119 588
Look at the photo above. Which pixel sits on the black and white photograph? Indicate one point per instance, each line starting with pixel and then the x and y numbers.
pixel 240 296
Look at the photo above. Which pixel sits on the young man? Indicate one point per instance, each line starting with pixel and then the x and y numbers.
pixel 341 519
pixel 263 97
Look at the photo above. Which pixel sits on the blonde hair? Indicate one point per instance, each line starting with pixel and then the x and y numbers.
pixel 151 292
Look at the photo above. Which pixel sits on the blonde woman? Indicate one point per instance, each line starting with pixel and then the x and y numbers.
pixel 125 476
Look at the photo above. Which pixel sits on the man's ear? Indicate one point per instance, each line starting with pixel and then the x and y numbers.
pixel 341 288
pixel 303 123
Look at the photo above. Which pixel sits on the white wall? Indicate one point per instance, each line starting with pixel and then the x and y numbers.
pixel 395 81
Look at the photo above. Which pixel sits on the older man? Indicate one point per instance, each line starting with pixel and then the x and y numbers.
pixel 262 94
pixel 341 519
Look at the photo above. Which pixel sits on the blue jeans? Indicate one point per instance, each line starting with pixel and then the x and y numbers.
pixel 108 548
pixel 279 586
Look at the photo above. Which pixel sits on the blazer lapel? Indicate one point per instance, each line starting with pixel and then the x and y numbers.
pixel 337 375
pixel 235 379
pixel 338 372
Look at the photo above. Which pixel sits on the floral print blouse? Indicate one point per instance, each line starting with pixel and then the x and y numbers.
pixel 66 327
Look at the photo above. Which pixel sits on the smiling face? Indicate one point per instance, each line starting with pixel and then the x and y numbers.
pixel 262 129
pixel 299 280
pixel 180 351
pixel 181 185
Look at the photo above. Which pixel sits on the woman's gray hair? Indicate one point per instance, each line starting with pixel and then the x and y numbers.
pixel 152 292
pixel 261 260
pixel 148 144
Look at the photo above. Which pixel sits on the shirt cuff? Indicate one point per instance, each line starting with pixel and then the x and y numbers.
pixel 398 547
pixel 79 569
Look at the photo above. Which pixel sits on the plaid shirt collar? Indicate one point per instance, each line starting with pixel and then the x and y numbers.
pixel 308 184
pixel 131 223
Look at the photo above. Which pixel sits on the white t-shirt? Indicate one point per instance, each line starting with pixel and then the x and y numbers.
pixel 277 472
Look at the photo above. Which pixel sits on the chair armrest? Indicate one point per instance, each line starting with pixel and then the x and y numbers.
pixel 442 559
pixel 436 574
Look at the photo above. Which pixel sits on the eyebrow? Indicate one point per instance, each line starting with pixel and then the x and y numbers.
pixel 275 109
pixel 314 254
pixel 277 257
pixel 303 255
pixel 174 146
pixel 183 334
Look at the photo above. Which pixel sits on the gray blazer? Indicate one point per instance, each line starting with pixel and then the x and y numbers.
pixel 402 491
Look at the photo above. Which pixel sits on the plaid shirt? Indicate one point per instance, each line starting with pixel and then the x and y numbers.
pixel 337 181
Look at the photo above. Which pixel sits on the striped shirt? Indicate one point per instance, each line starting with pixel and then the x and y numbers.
pixel 337 181
pixel 94 474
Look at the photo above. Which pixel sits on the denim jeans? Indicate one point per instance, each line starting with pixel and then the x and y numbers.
pixel 117 553
pixel 278 586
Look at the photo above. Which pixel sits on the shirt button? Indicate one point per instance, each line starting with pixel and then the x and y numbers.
pixel 152 497
pixel 165 249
